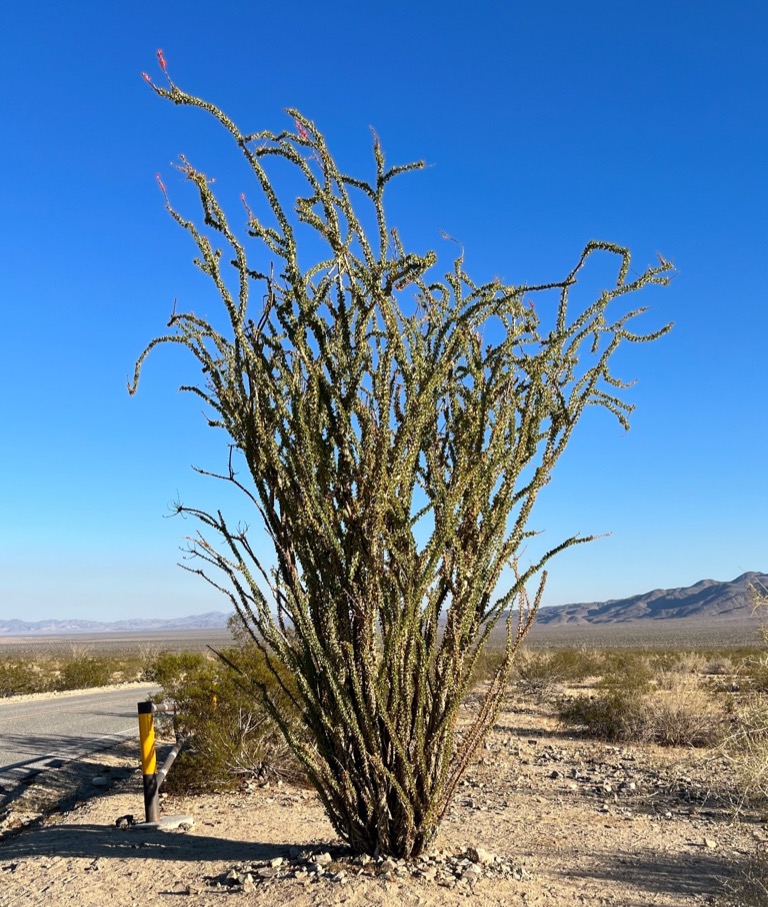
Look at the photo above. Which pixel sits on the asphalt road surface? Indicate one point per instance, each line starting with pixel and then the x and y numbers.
pixel 37 734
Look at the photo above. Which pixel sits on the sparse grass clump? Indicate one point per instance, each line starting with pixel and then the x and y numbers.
pixel 681 713
pixel 749 885
pixel 747 745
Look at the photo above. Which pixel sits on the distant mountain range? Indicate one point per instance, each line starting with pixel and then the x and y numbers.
pixel 707 600
pixel 213 620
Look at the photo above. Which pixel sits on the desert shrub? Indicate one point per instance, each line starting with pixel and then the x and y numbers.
pixel 230 734
pixel 18 677
pixel 613 669
pixel 638 675
pixel 754 674
pixel 539 672
pixel 627 669
pixel 613 715
pixel 681 713
pixel 746 748
pixel 146 657
pixel 688 662
pixel 171 669
pixel 652 661
pixel 84 671
pixel 719 666
pixel 391 428
pixel 487 665
pixel 533 672
pixel 576 665
pixel 674 711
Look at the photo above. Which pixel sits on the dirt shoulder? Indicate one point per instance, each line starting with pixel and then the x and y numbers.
pixel 543 818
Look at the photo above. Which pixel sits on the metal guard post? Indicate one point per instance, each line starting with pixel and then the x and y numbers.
pixel 152 776
pixel 148 760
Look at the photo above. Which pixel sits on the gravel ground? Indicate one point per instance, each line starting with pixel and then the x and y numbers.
pixel 543 818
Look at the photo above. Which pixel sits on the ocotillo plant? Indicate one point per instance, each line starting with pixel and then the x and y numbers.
pixel 392 430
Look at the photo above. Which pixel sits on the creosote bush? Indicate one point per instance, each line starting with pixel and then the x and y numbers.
pixel 83 671
pixel 77 669
pixel 230 735
pixel 18 677
pixel 391 429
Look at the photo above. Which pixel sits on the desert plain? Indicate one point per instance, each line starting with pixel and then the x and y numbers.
pixel 545 816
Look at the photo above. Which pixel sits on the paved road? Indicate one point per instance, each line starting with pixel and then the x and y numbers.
pixel 44 733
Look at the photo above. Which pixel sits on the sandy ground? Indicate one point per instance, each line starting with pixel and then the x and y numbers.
pixel 566 821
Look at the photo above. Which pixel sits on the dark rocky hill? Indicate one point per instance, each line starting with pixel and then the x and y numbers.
pixel 706 600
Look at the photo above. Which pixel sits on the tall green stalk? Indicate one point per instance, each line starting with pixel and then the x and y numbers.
pixel 397 429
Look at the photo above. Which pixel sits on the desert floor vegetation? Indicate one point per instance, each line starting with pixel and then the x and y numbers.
pixel 561 815
pixel 709 699
pixel 663 697
pixel 71 668
pixel 230 736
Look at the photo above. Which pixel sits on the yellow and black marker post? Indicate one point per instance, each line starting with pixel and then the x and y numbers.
pixel 148 760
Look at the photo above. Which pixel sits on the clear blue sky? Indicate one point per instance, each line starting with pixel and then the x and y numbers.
pixel 545 125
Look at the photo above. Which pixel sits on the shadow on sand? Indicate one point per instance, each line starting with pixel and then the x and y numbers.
pixel 110 843
pixel 702 873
